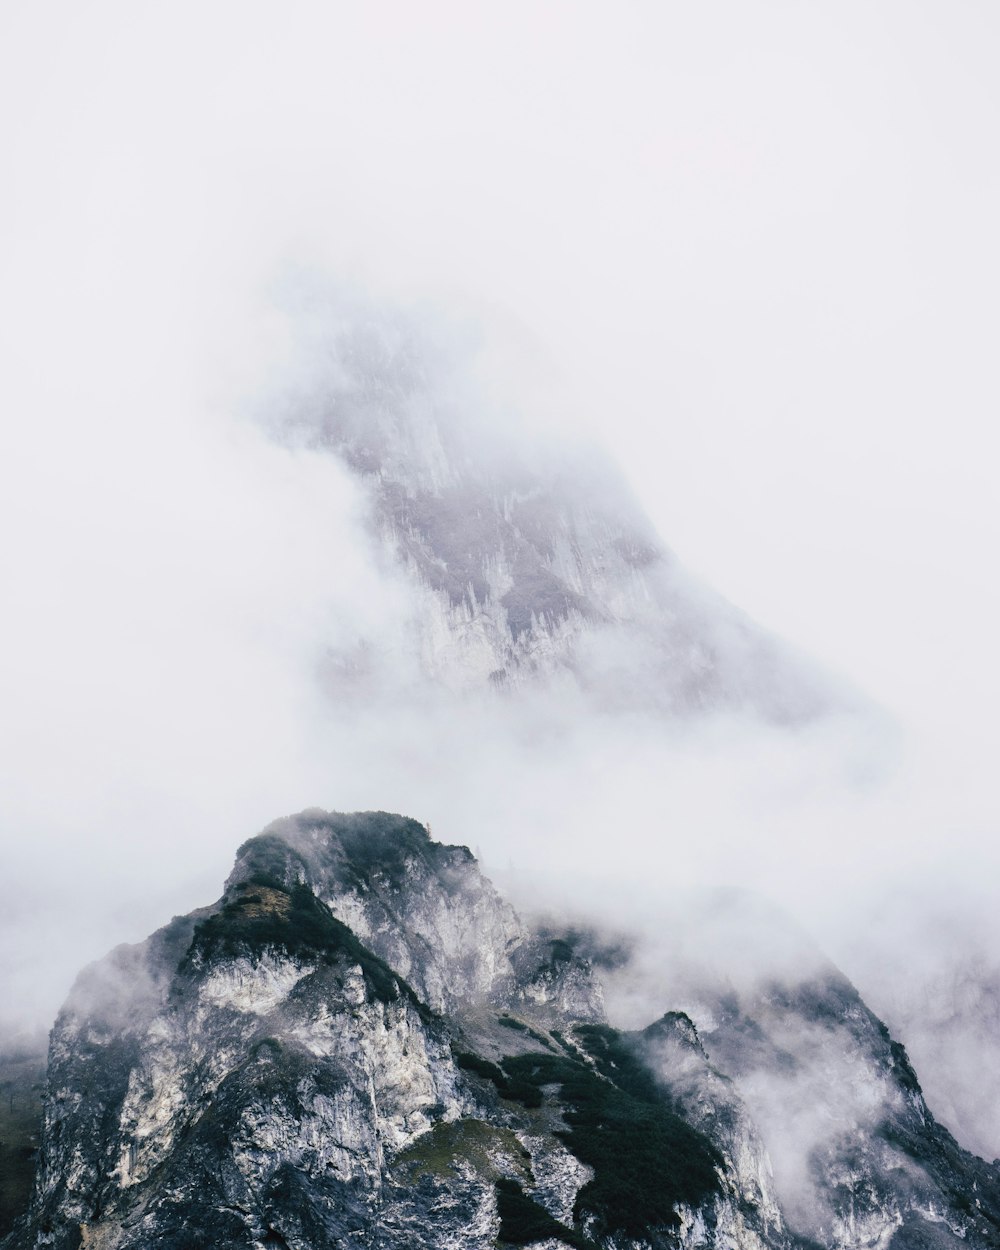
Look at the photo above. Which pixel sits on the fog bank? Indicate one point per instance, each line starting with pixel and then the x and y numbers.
pixel 749 250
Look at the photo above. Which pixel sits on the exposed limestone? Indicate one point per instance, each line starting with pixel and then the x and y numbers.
pixel 362 1045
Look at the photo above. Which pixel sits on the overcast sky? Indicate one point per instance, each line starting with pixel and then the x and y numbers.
pixel 759 238
pixel 753 246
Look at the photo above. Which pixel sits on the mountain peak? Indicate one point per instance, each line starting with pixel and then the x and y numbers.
pixel 530 561
pixel 354 848
pixel 361 1044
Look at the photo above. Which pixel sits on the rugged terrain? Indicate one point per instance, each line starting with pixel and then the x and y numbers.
pixel 361 1044
pixel 533 571
pixel 530 561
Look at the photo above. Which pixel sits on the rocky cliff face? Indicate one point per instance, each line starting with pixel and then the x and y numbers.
pixel 531 561
pixel 946 1003
pixel 424 908
pixel 361 1044
pixel 857 1157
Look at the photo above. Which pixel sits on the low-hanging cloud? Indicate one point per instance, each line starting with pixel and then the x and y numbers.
pixel 221 572
pixel 776 313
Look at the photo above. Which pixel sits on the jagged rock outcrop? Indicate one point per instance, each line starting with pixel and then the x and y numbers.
pixel 361 1044
pixel 858 1157
pixel 945 1002
pixel 424 908
pixel 854 1155
pixel 708 1100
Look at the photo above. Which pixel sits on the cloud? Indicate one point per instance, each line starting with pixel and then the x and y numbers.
pixel 756 252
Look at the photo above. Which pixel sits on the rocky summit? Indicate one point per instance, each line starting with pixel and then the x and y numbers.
pixel 529 562
pixel 361 1044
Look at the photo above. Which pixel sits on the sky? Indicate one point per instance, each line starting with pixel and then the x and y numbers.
pixel 756 240
pixel 749 247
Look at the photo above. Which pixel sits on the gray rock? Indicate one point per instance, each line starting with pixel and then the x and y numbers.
pixel 362 1045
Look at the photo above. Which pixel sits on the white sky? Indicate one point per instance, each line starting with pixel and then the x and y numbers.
pixel 756 241
pixel 760 238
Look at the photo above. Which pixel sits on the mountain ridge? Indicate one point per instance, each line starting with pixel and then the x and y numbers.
pixel 268 1072
pixel 531 561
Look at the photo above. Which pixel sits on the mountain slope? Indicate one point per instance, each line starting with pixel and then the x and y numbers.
pixel 533 562
pixel 262 1072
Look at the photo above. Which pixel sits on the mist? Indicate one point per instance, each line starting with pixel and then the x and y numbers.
pixel 749 252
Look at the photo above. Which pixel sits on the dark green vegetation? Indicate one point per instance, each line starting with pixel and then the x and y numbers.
pixel 597 949
pixel 620 1122
pixel 513 1087
pixel 473 1143
pixel 482 1067
pixel 262 913
pixel 21 1081
pixel 363 846
pixel 509 1022
pixel 522 1220
pixel 567 1045
pixel 377 843
pixel 617 1058
pixel 272 856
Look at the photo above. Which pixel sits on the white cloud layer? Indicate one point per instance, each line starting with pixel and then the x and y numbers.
pixel 753 247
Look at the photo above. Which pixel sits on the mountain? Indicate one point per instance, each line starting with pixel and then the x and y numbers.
pixel 22 1080
pixel 362 1044
pixel 532 569
pixel 530 561
pixel 945 1001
